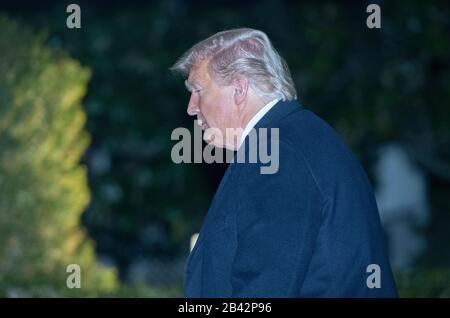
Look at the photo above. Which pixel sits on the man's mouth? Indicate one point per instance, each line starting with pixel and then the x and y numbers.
pixel 202 124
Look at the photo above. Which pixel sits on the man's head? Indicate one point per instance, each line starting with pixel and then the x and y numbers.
pixel 231 75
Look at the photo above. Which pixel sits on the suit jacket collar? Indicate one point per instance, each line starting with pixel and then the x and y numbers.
pixel 279 111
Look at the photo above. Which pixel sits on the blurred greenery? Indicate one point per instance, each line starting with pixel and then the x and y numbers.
pixel 43 188
pixel 424 284
pixel 373 86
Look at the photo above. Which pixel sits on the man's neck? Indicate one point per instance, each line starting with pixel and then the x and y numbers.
pixel 250 110
pixel 255 118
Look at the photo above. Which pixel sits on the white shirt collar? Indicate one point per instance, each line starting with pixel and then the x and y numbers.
pixel 257 117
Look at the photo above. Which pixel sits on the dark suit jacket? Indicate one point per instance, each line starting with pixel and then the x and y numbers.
pixel 309 230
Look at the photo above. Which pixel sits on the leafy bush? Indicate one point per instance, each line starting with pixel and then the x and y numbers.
pixel 43 187
pixel 424 283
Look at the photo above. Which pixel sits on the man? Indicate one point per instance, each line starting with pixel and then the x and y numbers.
pixel 311 228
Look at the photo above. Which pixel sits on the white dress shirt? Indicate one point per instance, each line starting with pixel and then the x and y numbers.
pixel 257 117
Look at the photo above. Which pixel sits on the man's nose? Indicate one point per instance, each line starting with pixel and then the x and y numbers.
pixel 192 108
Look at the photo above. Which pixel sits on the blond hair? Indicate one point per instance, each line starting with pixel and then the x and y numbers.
pixel 243 51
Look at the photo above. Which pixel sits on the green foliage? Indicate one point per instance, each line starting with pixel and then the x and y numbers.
pixel 424 283
pixel 43 187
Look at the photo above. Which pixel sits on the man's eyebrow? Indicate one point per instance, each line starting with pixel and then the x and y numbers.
pixel 190 85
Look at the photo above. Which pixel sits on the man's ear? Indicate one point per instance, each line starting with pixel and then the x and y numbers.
pixel 240 84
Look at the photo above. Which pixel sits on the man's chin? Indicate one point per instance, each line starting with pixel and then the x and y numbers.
pixel 217 144
pixel 214 137
pixel 213 142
